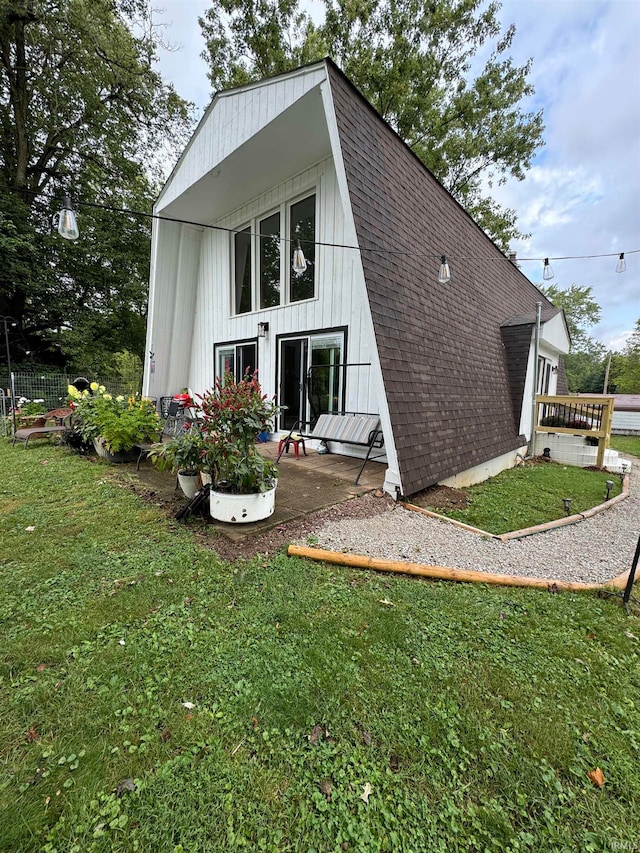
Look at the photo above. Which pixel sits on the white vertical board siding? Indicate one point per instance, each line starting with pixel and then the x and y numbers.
pixel 185 294
pixel 338 302
pixel 162 298
pixel 231 120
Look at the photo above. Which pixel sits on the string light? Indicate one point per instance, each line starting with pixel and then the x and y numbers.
pixel 444 275
pixel 547 270
pixel 299 260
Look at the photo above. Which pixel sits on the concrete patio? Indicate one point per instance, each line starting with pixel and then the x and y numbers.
pixel 305 485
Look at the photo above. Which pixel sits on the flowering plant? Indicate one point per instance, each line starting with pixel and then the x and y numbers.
pixel 120 422
pixel 233 415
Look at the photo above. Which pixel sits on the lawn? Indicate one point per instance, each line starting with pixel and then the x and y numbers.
pixel 626 444
pixel 154 698
pixel 526 496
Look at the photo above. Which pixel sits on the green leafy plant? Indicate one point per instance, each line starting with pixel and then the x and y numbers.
pixel 233 415
pixel 32 407
pixel 185 452
pixel 119 421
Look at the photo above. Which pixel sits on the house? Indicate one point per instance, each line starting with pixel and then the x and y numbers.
pixel 366 327
pixel 626 415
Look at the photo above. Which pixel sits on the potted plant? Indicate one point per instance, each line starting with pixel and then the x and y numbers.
pixel 184 453
pixel 243 483
pixel 113 424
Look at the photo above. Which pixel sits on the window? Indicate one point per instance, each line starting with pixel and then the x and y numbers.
pixel 262 265
pixel 269 229
pixel 237 359
pixel 242 271
pixel 544 375
pixel 302 220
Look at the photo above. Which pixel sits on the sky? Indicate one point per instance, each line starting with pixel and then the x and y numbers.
pixel 582 193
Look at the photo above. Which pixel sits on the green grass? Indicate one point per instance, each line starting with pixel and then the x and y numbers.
pixel 527 496
pixel 474 714
pixel 626 444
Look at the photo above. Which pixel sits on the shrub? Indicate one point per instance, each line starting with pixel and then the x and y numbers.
pixel 233 416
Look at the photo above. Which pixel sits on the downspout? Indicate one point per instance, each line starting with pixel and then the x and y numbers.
pixel 536 350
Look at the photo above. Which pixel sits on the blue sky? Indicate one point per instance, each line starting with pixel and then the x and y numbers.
pixel 582 195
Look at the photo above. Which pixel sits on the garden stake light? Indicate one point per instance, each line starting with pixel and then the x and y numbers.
pixel 609 485
pixel 567 505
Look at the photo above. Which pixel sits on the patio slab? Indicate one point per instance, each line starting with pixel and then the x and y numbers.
pixel 305 485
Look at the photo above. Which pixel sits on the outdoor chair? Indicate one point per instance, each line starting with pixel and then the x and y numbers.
pixel 174 425
pixel 52 423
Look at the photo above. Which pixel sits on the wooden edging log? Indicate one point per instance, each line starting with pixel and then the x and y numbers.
pixel 527 531
pixel 357 561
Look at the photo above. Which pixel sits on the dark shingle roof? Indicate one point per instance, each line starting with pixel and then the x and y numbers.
pixel 442 355
pixel 529 319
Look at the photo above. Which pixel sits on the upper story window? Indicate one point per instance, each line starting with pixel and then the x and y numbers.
pixel 263 276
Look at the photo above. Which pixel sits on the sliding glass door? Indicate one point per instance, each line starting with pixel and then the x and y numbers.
pixel 311 380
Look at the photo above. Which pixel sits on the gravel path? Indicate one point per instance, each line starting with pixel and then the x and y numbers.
pixel 594 550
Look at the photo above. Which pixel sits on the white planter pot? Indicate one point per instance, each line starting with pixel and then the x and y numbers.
pixel 189 483
pixel 101 450
pixel 241 509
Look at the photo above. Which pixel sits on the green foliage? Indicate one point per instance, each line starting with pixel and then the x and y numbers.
pixel 585 365
pixel 526 496
pixel 412 60
pixel 629 444
pixel 120 421
pixel 233 416
pixel 473 713
pixel 581 311
pixel 626 368
pixel 82 110
pixel 185 452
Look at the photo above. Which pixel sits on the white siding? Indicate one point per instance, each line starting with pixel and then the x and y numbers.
pixel 626 422
pixel 338 302
pixel 231 120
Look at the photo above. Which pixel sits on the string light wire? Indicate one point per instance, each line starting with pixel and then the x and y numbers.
pixel 372 250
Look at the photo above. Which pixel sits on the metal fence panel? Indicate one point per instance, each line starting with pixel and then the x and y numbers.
pixel 51 388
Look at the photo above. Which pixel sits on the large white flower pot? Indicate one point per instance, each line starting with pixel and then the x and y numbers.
pixel 241 509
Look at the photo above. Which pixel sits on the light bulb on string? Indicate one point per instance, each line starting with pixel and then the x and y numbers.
pixel 622 264
pixel 444 273
pixel 547 272
pixel 67 224
pixel 299 260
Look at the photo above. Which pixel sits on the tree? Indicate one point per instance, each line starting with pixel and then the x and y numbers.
pixel 412 59
pixel 585 365
pixel 626 367
pixel 581 311
pixel 81 109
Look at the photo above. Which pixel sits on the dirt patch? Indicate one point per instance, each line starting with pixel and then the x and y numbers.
pixel 440 497
pixel 279 537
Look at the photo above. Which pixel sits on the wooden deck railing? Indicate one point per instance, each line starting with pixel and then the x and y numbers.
pixel 577 415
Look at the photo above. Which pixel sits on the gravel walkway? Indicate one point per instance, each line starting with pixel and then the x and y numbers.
pixel 594 550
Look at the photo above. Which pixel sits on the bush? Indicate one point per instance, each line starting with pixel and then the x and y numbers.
pixel 121 422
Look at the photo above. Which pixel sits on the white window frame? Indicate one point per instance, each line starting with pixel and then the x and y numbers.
pixel 286 250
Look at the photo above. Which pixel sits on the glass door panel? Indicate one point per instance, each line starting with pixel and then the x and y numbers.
pixel 293 368
pixel 325 378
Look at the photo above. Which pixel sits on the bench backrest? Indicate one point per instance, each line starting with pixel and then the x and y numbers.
pixel 351 429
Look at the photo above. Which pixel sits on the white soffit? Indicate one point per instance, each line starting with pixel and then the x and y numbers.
pixel 296 138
